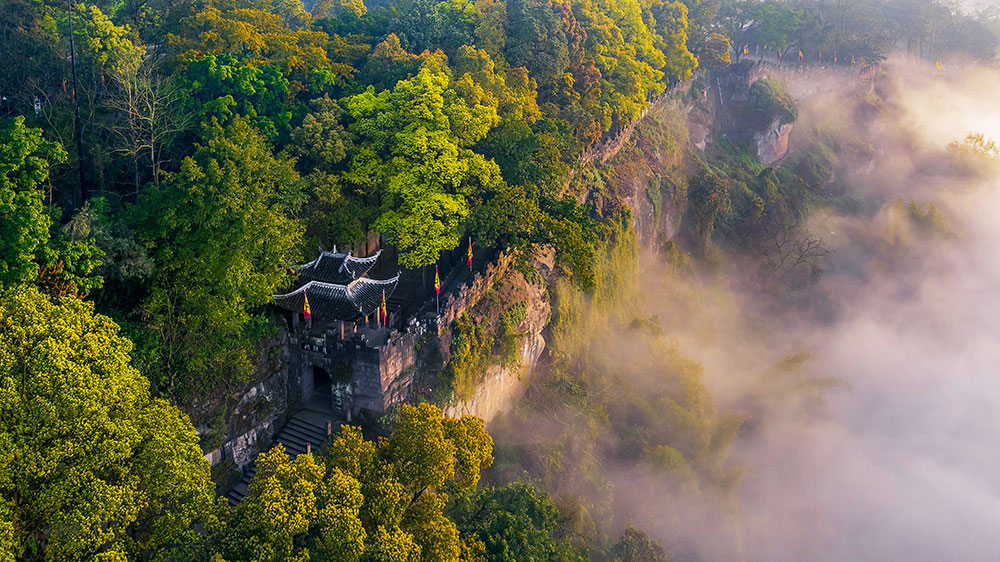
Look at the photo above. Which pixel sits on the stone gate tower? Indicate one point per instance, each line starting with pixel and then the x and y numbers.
pixel 345 353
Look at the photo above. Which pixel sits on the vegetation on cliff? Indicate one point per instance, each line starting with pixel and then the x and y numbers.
pixel 200 147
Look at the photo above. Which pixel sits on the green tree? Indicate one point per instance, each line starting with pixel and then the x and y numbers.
pixel 30 248
pixel 671 29
pixel 221 233
pixel 25 159
pixel 709 197
pixel 259 32
pixel 219 86
pixel 514 523
pixel 415 160
pixel 91 467
pixel 374 502
pixel 636 546
pixel 300 498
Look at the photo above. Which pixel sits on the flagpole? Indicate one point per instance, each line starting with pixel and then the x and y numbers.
pixel 437 290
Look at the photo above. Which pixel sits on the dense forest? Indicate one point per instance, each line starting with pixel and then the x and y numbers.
pixel 163 163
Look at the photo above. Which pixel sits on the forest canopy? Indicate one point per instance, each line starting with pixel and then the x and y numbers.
pixel 165 163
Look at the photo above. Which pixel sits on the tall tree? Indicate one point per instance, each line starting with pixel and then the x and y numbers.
pixel 513 523
pixel 91 467
pixel 415 149
pixel 376 502
pixel 221 233
pixel 31 249
pixel 25 159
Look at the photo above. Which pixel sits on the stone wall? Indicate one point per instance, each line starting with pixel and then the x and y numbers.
pixel 378 364
pixel 250 418
pixel 605 149
pixel 468 294
pixel 806 80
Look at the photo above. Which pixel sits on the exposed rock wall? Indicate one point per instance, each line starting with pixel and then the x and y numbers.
pixel 772 144
pixel 239 426
pixel 733 117
pixel 502 386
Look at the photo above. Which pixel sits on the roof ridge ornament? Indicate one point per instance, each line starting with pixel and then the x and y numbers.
pixel 338 290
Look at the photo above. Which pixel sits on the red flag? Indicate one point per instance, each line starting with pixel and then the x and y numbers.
pixel 437 281
pixel 305 309
pixel 470 252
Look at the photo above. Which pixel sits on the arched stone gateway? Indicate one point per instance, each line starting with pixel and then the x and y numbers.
pixel 327 387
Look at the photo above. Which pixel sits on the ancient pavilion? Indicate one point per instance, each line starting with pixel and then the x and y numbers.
pixel 337 287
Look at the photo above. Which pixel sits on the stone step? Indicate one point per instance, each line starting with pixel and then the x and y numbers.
pixel 311 436
pixel 293 445
pixel 307 425
pixel 239 491
pixel 300 429
pixel 314 437
pixel 308 430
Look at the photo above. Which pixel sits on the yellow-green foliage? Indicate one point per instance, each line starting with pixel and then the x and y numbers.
pixel 89 462
pixel 373 501
pixel 769 100
pixel 577 315
pixel 471 350
pixel 487 335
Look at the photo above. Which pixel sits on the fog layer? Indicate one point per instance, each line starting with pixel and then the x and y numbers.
pixel 900 463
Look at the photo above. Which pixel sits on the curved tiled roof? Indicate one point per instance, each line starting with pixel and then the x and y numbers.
pixel 360 297
pixel 334 267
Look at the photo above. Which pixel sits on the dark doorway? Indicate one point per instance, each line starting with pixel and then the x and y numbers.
pixel 321 381
pixel 320 396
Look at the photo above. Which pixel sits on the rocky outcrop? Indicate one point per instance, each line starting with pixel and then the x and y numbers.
pixel 771 144
pixel 735 115
pixel 502 385
pixel 238 426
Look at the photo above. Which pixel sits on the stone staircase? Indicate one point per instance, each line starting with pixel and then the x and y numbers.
pixel 307 429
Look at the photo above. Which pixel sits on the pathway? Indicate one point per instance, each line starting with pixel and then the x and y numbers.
pixel 307 429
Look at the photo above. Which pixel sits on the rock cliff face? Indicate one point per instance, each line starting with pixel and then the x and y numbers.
pixel 234 428
pixel 734 116
pixel 772 144
pixel 502 386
